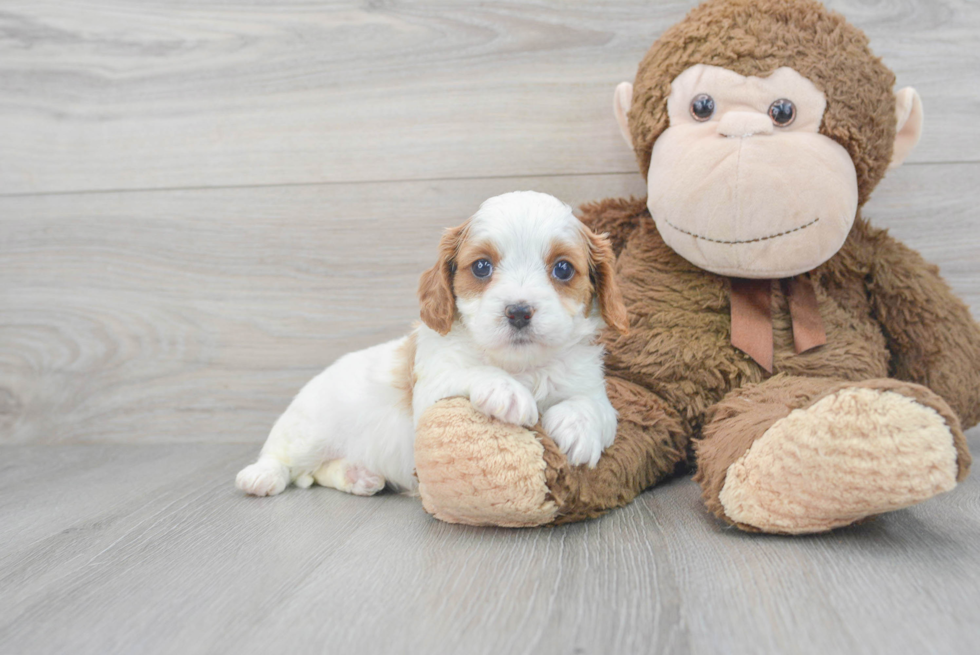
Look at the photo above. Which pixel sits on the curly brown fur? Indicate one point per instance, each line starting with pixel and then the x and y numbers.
pixel 679 350
pixel 649 443
pixel 617 218
pixel 679 385
pixel 885 310
pixel 755 37
pixel 932 338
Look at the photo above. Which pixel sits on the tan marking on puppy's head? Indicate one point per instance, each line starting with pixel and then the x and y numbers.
pixel 578 290
pixel 466 284
pixel 437 303
pixel 403 375
pixel 594 278
pixel 603 276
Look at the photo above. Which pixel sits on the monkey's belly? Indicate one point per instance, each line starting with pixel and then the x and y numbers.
pixel 684 353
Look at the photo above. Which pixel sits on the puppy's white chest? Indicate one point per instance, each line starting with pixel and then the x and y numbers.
pixel 543 385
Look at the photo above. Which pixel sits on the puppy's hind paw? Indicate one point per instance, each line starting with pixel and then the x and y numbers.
pixel 364 482
pixel 349 477
pixel 264 478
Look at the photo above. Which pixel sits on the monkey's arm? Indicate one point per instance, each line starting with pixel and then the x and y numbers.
pixel 617 217
pixel 931 335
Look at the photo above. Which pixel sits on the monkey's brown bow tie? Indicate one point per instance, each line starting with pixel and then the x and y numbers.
pixel 752 317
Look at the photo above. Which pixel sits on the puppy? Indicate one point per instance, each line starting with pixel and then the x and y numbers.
pixel 510 314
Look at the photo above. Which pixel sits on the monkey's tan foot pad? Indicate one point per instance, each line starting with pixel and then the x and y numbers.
pixel 476 470
pixel 853 454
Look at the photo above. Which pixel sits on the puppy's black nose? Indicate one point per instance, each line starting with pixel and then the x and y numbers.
pixel 519 315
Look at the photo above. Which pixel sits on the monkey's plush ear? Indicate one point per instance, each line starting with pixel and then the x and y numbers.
pixel 908 128
pixel 437 302
pixel 611 305
pixel 622 101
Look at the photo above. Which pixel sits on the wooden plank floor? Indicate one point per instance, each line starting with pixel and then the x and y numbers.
pixel 202 204
pixel 149 549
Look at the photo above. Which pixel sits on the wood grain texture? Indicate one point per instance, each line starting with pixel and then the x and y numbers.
pixel 110 95
pixel 121 549
pixel 278 176
pixel 196 315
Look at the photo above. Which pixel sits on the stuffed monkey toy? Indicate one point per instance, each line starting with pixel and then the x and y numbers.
pixel 814 370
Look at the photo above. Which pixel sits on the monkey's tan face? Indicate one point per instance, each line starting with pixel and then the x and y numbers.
pixel 742 183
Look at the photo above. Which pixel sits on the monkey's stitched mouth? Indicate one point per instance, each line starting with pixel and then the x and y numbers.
pixel 735 243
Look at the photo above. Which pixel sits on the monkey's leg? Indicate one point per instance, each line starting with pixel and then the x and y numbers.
pixel 475 470
pixel 801 455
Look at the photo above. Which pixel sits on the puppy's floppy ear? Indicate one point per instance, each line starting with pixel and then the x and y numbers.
pixel 437 302
pixel 601 259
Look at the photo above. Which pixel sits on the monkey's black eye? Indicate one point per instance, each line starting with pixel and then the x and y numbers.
pixel 563 271
pixel 782 112
pixel 482 268
pixel 702 107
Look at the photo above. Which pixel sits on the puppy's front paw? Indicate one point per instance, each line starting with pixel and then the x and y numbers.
pixel 579 430
pixel 263 478
pixel 506 399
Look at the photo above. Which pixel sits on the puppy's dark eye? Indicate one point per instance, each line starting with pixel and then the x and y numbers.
pixel 482 268
pixel 782 112
pixel 702 107
pixel 563 271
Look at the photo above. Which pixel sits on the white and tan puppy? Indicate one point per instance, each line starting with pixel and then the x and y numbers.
pixel 510 316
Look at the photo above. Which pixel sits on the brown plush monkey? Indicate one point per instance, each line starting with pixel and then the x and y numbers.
pixel 813 369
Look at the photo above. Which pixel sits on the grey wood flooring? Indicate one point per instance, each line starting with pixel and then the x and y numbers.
pixel 148 549
pixel 202 204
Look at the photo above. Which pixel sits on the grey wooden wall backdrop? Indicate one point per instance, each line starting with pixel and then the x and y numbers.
pixel 202 204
